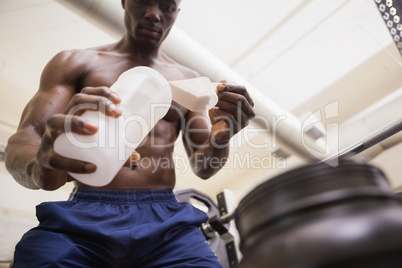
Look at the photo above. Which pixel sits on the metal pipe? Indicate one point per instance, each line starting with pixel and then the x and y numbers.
pixel 368 142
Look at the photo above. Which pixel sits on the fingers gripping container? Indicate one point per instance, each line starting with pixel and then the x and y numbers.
pixel 146 97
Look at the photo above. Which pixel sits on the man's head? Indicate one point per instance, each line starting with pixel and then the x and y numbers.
pixel 148 22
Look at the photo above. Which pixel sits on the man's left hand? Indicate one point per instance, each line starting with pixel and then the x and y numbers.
pixel 232 112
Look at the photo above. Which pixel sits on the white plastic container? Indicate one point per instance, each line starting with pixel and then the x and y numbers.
pixel 146 98
pixel 196 94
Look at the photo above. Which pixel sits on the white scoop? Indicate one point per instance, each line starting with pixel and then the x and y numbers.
pixel 196 94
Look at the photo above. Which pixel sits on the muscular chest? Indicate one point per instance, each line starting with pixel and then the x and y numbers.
pixel 105 69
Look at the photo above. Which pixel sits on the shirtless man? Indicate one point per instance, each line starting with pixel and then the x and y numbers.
pixel 135 220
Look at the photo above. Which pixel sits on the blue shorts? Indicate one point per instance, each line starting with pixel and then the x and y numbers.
pixel 109 228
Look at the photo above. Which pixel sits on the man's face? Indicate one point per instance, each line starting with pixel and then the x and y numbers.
pixel 148 22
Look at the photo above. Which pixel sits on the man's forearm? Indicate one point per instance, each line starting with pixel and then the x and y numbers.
pixel 20 158
pixel 209 159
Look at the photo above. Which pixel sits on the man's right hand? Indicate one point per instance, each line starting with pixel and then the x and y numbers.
pixel 49 169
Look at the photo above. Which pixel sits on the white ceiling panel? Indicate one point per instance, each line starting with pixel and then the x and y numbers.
pixel 7 5
pixel 291 50
pixel 35 32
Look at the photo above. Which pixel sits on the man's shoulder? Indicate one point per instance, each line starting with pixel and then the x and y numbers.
pixel 76 55
pixel 78 60
pixel 74 63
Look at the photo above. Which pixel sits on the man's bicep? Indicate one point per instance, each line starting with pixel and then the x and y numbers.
pixel 39 109
pixel 57 86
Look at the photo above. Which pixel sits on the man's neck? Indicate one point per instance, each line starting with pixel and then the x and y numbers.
pixel 128 46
